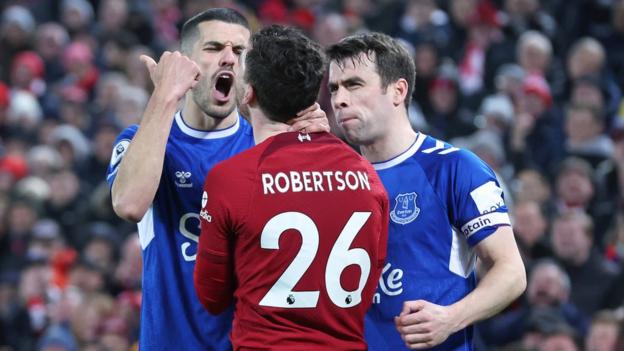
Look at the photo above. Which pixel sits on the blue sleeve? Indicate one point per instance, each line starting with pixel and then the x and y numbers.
pixel 478 206
pixel 119 150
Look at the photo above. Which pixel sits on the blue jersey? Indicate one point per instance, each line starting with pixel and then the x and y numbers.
pixel 172 317
pixel 443 202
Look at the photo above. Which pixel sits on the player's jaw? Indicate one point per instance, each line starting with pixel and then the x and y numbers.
pixel 352 125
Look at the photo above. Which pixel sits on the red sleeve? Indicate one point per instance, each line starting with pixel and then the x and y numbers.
pixel 213 276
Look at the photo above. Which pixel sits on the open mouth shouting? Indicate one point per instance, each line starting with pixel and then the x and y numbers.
pixel 223 86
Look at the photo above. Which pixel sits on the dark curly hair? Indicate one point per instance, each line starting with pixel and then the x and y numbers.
pixel 392 61
pixel 285 68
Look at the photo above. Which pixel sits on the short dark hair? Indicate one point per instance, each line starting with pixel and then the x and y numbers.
pixel 189 29
pixel 285 68
pixel 391 59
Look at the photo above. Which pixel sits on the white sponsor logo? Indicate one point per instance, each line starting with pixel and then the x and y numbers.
pixel 187 220
pixel 487 220
pixel 204 199
pixel 390 282
pixel 182 179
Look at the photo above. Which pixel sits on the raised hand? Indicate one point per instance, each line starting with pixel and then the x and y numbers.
pixel 423 324
pixel 174 71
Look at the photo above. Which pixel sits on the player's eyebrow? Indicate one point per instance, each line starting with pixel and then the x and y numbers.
pixel 345 82
pixel 220 45
pixel 352 80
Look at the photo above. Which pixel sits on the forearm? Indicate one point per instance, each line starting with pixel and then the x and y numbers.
pixel 500 286
pixel 504 279
pixel 140 170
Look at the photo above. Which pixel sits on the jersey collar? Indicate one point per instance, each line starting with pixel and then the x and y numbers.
pixel 204 134
pixel 420 138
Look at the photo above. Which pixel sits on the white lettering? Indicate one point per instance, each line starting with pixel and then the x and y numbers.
pixel 307 182
pixel 363 177
pixel 328 176
pixel 377 298
pixel 318 181
pixel 351 176
pixel 284 188
pixel 295 180
pixel 391 284
pixel 267 184
pixel 312 181
pixel 187 234
pixel 341 183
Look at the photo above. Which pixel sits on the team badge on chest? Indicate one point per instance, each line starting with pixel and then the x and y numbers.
pixel 405 210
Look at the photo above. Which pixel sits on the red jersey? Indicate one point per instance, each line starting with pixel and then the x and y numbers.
pixel 295 230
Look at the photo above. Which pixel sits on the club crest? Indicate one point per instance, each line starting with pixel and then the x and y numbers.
pixel 405 210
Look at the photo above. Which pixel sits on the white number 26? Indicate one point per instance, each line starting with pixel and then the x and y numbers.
pixel 340 257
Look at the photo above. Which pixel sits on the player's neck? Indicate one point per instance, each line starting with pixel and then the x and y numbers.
pixel 394 142
pixel 264 128
pixel 195 118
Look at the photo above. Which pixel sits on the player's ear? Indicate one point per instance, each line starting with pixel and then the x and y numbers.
pixel 399 91
pixel 250 95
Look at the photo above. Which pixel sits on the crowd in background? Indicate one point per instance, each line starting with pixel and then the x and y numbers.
pixel 532 87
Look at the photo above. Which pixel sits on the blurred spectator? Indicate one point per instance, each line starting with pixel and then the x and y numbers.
pixel 65 203
pixel 509 80
pixel 590 276
pixel 45 241
pixel 135 69
pixel 77 16
pixel 483 30
pixel 15 329
pixel 590 91
pixel 24 114
pixel 575 190
pixel 128 271
pixel 605 333
pixel 536 133
pixel 329 29
pixel 27 73
pixel 524 15
pixel 50 43
pixel 448 118
pixel 547 308
pixel 559 341
pixel 78 62
pixel 584 126
pixel 612 36
pixel 17 27
pixel 534 53
pixel 531 230
pixel 610 174
pixel 57 338
pixel 587 57
pixel 423 21
pixel 112 17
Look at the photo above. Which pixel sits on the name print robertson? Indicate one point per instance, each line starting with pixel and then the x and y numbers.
pixel 313 181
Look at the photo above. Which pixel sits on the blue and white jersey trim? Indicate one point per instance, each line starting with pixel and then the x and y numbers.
pixel 420 138
pixel 201 134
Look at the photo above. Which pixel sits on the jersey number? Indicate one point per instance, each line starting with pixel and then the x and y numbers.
pixel 281 293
